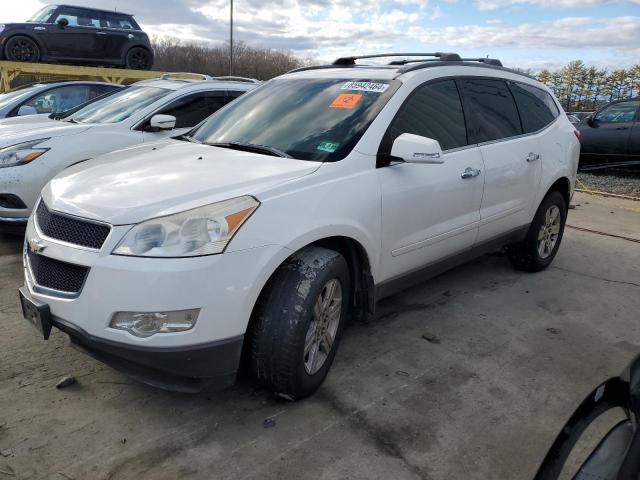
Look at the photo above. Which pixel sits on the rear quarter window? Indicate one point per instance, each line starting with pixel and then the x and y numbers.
pixel 537 108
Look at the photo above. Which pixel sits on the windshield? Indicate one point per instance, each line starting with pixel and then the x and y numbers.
pixel 10 97
pixel 43 14
pixel 119 106
pixel 307 119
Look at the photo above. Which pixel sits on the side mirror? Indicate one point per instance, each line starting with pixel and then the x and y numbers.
pixel 162 122
pixel 416 149
pixel 591 121
pixel 63 22
pixel 27 110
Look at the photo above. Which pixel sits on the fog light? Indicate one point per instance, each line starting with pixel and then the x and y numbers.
pixel 145 324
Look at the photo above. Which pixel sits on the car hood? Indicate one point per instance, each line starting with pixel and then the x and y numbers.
pixel 15 132
pixel 154 180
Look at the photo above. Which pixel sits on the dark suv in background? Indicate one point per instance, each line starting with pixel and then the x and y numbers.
pixel 611 136
pixel 70 34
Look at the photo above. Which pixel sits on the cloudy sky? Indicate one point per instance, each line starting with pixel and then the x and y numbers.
pixel 523 33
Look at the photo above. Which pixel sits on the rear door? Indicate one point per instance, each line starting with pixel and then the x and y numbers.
pixel 429 212
pixel 511 160
pixel 607 138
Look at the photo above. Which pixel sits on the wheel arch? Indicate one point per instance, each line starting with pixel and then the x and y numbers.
pixel 128 48
pixel 41 47
pixel 562 185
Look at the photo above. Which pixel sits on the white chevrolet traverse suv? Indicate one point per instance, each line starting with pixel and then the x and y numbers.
pixel 302 203
pixel 33 150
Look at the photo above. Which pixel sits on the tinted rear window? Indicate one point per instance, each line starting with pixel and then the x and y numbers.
pixel 491 110
pixel 537 108
pixel 433 111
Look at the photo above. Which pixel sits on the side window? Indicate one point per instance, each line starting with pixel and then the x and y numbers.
pixel 192 109
pixel 537 108
pixel 78 17
pixel 618 112
pixel 491 110
pixel 117 21
pixel 58 100
pixel 233 94
pixel 433 110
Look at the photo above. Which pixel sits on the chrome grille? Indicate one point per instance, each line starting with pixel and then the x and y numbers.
pixel 71 230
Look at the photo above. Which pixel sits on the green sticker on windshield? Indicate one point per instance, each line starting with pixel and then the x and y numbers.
pixel 328 147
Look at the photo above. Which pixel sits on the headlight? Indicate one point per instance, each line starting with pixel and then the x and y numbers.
pixel 21 153
pixel 202 231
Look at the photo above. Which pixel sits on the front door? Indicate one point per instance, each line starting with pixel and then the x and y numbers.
pixel 78 40
pixel 429 212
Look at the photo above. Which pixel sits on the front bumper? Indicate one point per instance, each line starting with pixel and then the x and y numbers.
pixel 186 369
pixel 224 287
pixel 13 225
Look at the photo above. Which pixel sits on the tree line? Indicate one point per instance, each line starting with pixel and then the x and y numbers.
pixel 581 87
pixel 261 63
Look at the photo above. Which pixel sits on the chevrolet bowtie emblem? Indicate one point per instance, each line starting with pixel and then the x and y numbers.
pixel 36 245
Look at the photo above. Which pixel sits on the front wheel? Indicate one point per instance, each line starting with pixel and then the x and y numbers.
pixel 298 322
pixel 540 246
pixel 139 58
pixel 22 49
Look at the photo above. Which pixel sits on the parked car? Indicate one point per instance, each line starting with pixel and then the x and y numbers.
pixel 79 35
pixel 51 97
pixel 611 136
pixel 301 203
pixel 32 152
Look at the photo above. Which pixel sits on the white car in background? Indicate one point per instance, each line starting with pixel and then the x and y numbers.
pixel 301 203
pixel 33 150
pixel 51 97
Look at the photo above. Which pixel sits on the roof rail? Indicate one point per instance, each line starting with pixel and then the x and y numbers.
pixel 185 76
pixel 230 78
pixel 443 56
pixel 488 61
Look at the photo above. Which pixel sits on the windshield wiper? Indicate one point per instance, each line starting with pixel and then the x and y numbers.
pixel 251 147
pixel 69 120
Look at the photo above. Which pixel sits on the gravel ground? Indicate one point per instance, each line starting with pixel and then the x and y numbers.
pixel 618 184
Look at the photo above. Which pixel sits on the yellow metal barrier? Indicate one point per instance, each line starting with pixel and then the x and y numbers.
pixel 11 70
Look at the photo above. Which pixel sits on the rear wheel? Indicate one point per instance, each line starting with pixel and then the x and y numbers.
pixel 540 246
pixel 298 322
pixel 22 49
pixel 139 58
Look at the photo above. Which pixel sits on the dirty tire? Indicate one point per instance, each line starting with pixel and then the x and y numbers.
pixel 526 255
pixel 139 58
pixel 22 49
pixel 284 315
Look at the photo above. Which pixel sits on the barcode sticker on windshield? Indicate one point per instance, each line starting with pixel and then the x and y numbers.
pixel 365 86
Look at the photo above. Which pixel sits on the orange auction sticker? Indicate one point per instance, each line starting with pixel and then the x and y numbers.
pixel 346 100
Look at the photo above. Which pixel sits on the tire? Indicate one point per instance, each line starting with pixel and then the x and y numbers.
pixel 139 58
pixel 540 246
pixel 22 49
pixel 285 330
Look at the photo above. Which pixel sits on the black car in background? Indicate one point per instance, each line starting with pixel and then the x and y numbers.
pixel 70 34
pixel 611 136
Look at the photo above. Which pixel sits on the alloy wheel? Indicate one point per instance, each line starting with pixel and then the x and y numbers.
pixel 549 232
pixel 323 328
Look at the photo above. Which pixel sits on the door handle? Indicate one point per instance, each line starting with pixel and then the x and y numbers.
pixel 470 173
pixel 622 128
pixel 102 33
pixel 532 157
